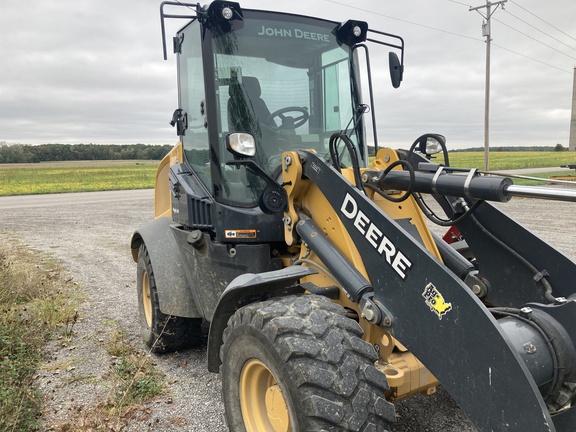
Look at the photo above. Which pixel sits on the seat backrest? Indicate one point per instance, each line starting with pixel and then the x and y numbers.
pixel 246 109
pixel 254 91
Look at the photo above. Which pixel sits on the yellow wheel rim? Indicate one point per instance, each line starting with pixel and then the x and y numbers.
pixel 146 299
pixel 261 399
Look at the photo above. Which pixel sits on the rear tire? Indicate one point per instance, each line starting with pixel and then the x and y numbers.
pixel 161 332
pixel 297 363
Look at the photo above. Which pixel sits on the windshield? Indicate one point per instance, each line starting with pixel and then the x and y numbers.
pixel 288 83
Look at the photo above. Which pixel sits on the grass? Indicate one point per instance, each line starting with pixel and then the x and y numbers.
pixel 28 179
pixel 511 160
pixel 500 161
pixel 37 305
pixel 546 178
pixel 136 380
pixel 35 302
pixel 133 380
pixel 85 176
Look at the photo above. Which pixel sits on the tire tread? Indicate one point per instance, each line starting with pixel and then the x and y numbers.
pixel 333 368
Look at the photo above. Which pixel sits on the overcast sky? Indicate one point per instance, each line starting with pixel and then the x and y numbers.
pixel 87 71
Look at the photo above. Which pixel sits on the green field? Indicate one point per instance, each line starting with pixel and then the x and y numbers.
pixel 511 160
pixel 85 176
pixel 81 176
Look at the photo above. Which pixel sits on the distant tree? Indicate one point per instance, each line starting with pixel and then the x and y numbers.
pixel 559 147
pixel 20 153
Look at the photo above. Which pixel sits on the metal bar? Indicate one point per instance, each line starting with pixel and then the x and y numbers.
pixel 353 282
pixel 163 16
pixel 393 36
pixel 385 43
pixel 371 92
pixel 524 177
pixel 555 194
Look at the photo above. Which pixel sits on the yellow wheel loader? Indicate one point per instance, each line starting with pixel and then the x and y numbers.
pixel 328 298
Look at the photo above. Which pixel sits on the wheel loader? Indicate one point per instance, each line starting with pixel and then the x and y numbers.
pixel 327 295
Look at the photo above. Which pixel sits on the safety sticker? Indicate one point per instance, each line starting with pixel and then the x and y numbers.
pixel 240 234
pixel 435 301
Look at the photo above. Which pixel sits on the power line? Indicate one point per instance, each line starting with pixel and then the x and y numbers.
pixel 404 21
pixel 534 39
pixel 463 4
pixel 195 9
pixel 546 22
pixel 445 31
pixel 533 59
pixel 541 31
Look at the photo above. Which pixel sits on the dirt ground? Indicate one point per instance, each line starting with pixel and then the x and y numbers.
pixel 90 234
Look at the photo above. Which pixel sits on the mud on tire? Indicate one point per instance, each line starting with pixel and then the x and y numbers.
pixel 315 355
pixel 161 332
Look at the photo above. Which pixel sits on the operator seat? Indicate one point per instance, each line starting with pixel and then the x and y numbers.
pixel 252 86
pixel 246 109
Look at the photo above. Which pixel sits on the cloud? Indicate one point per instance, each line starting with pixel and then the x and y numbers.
pixel 84 72
pixel 88 71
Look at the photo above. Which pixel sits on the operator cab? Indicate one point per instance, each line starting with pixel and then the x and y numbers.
pixel 288 81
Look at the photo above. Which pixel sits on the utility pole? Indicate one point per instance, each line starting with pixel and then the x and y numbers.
pixel 486 31
pixel 572 144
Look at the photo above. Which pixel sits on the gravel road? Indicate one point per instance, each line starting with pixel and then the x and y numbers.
pixel 89 233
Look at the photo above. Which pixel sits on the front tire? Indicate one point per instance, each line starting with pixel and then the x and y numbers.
pixel 297 363
pixel 161 332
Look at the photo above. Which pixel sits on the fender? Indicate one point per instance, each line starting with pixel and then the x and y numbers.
pixel 246 289
pixel 174 293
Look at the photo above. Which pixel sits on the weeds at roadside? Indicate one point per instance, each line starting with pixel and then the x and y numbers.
pixel 133 381
pixel 34 302
pixel 68 332
pixel 135 377
pixel 38 305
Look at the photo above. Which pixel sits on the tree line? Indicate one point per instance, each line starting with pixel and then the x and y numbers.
pixel 557 147
pixel 24 153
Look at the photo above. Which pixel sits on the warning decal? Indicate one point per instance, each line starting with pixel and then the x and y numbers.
pixel 240 234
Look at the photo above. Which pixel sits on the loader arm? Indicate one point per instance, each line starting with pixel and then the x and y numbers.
pixel 423 304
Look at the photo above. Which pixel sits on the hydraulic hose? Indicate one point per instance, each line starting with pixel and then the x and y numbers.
pixel 353 156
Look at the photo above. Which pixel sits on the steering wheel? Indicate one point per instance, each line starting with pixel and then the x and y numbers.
pixel 288 122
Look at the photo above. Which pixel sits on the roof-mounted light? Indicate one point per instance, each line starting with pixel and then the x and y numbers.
pixel 220 12
pixel 227 13
pixel 352 32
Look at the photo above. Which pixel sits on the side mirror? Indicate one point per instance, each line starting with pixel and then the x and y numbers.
pixel 396 69
pixel 241 144
pixel 431 144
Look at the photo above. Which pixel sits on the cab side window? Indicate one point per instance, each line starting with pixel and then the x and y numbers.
pixel 192 101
